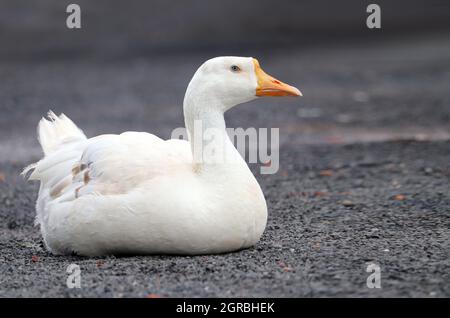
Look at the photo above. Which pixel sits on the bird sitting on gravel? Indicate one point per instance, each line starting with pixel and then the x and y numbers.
pixel 135 193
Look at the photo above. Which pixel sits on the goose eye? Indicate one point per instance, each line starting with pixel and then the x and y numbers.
pixel 235 68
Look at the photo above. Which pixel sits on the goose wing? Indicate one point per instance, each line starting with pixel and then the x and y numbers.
pixel 74 166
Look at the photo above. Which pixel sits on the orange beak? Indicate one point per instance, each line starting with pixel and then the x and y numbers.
pixel 269 86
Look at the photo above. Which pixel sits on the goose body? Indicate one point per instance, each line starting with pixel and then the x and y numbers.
pixel 135 193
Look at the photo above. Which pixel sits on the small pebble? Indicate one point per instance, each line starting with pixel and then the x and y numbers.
pixel 326 173
pixel 399 197
pixel 360 96
pixel 348 203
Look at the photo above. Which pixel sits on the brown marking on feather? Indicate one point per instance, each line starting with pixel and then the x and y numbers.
pixel 197 167
pixel 76 170
pixel 86 178
pixel 59 187
pixel 76 191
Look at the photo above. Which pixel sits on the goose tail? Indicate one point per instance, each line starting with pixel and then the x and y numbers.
pixel 57 130
pixel 53 132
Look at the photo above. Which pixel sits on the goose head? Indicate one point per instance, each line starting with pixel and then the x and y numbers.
pixel 223 82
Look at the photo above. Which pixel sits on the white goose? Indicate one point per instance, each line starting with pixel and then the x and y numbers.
pixel 136 193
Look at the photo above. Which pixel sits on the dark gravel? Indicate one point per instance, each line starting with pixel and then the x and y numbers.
pixel 339 202
pixel 322 233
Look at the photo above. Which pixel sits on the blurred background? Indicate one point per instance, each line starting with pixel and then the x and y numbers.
pixel 129 64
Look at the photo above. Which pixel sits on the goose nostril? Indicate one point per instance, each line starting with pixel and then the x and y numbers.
pixel 276 81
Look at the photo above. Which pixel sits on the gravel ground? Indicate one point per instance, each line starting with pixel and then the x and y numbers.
pixel 364 173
